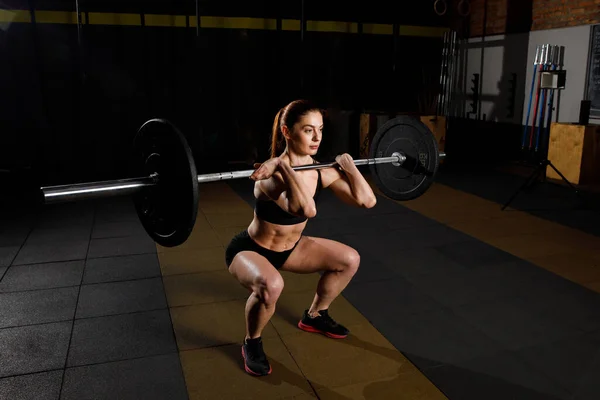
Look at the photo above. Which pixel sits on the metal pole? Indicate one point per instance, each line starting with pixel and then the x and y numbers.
pixel 219 176
pixel 93 190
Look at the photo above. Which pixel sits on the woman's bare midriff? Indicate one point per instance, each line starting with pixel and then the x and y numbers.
pixel 275 237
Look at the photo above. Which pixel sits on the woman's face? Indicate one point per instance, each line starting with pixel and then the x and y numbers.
pixel 305 136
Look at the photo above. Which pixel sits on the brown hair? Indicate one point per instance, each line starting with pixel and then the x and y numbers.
pixel 288 115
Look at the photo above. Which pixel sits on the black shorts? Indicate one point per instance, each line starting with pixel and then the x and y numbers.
pixel 243 242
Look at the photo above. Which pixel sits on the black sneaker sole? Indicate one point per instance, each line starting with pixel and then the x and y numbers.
pixel 248 370
pixel 308 328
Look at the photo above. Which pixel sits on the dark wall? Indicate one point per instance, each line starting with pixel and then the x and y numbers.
pixel 73 97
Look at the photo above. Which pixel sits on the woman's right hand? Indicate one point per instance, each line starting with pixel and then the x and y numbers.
pixel 266 169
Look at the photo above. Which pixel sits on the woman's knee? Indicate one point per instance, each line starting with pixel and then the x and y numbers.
pixel 268 288
pixel 351 261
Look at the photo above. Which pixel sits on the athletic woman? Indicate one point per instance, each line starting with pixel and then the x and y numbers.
pixel 273 242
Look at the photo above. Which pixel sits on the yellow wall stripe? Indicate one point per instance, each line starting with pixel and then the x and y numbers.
pixel 114 19
pixel 332 26
pixel 57 17
pixel 378 29
pixel 431 31
pixel 182 21
pixel 290 24
pixel 176 21
pixel 238 23
pixel 9 16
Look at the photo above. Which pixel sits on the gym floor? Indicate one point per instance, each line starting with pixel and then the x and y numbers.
pixel 454 299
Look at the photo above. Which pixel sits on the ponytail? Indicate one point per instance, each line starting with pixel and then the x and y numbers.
pixel 276 137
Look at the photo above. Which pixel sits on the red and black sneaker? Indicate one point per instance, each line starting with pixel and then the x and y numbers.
pixel 255 359
pixel 323 324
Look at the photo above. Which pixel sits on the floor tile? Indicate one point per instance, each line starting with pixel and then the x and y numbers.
pixel 224 206
pixel 44 385
pixel 212 324
pixel 36 348
pixel 120 337
pixel 199 239
pixel 40 236
pixel 497 377
pixel 486 283
pixel 419 261
pixel 403 386
pixel 225 234
pixel 588 386
pixel 230 218
pixel 474 254
pixel 13 234
pixel 299 282
pixel 395 243
pixel 373 269
pixel 399 220
pixel 373 299
pixel 102 299
pixel 575 307
pixel 577 267
pixel 158 377
pixel 200 288
pixel 115 209
pixel 51 252
pixel 513 224
pixel 203 370
pixel 191 261
pixel 118 229
pixel 7 255
pixel 566 361
pixel 42 276
pixel 37 307
pixel 514 322
pixel 67 215
pixel 595 286
pixel 121 268
pixel 529 246
pixel 435 337
pixel 121 246
pixel 364 356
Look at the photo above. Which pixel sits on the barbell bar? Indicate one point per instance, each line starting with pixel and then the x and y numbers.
pixel 129 186
pixel 404 159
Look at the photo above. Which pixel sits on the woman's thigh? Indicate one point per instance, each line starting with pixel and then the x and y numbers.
pixel 255 272
pixel 313 254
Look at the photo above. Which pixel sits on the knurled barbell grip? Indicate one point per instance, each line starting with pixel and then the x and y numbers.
pixel 221 176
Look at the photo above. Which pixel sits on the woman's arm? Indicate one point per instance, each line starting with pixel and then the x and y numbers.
pixel 350 185
pixel 278 181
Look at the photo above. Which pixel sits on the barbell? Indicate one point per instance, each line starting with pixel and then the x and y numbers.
pixel 404 159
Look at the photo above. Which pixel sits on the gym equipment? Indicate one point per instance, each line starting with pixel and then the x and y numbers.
pixel 166 199
pixel 167 210
pixel 417 146
pixel 536 62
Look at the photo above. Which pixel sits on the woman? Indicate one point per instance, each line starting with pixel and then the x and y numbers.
pixel 285 200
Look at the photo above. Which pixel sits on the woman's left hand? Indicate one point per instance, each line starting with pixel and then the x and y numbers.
pixel 345 161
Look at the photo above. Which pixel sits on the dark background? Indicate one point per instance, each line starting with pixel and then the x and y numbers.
pixel 74 96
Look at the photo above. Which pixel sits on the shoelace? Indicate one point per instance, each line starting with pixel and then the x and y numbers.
pixel 327 318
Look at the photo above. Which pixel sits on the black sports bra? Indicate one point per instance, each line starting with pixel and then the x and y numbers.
pixel 269 211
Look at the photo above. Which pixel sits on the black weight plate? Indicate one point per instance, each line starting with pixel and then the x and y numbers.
pixel 411 137
pixel 169 209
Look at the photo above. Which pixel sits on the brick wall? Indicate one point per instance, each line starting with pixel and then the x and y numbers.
pixel 550 14
pixel 495 18
pixel 507 16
